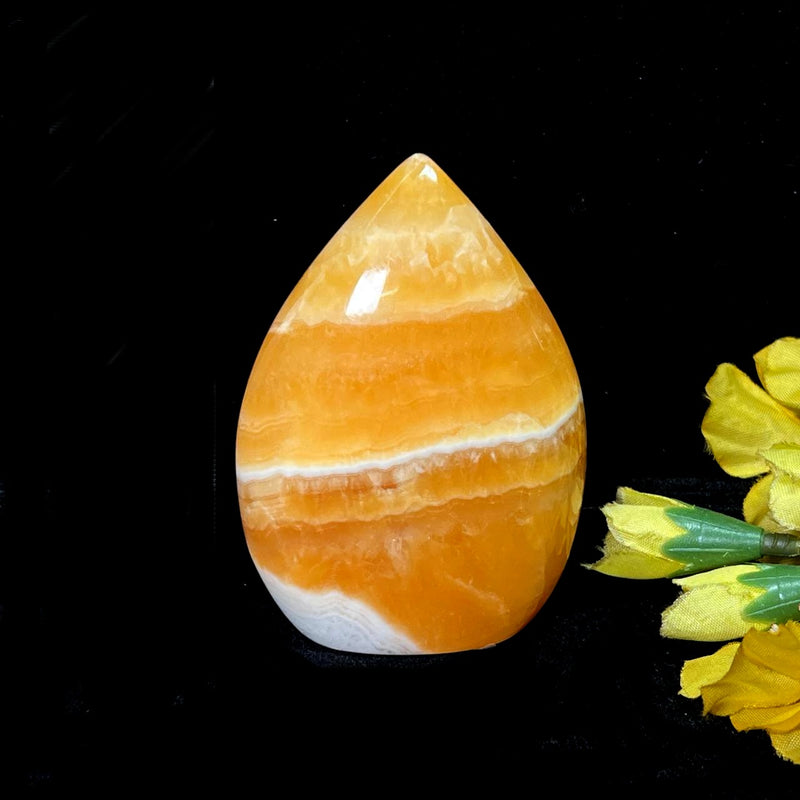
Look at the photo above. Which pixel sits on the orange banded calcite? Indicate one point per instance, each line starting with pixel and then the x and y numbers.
pixel 411 445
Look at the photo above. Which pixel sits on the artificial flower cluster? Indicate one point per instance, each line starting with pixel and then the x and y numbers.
pixel 755 683
pixel 739 578
pixel 755 432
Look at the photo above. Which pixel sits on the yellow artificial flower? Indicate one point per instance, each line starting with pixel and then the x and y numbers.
pixel 727 602
pixel 755 683
pixel 728 592
pixel 754 431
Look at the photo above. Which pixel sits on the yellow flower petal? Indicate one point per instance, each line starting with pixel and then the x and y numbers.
pixel 784 458
pixel 764 673
pixel 775 650
pixel 643 527
pixel 778 367
pixel 780 719
pixel 699 672
pixel 747 682
pixel 784 501
pixel 622 562
pixel 637 529
pixel 784 493
pixel 787 745
pixel 755 508
pixel 632 497
pixel 688 617
pixel 709 608
pixel 747 685
pixel 742 420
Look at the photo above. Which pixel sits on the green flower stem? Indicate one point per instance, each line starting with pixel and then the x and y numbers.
pixel 781 545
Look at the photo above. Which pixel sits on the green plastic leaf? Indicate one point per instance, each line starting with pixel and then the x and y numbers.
pixel 781 599
pixel 711 539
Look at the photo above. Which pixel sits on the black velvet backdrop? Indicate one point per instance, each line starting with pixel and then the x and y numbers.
pixel 641 161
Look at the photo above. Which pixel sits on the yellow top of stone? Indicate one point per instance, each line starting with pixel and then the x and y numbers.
pixel 415 247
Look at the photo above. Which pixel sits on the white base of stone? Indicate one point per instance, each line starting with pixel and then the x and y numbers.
pixel 336 621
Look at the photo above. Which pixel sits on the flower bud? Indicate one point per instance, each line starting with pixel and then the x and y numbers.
pixel 725 603
pixel 650 536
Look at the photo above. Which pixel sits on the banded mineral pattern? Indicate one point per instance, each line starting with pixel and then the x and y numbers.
pixel 411 443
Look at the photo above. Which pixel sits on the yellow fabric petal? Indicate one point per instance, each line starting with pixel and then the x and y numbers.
pixel 644 528
pixel 780 719
pixel 784 458
pixel 633 497
pixel 776 650
pixel 784 493
pixel 755 682
pixel 621 562
pixel 787 745
pixel 709 608
pixel 764 673
pixel 784 501
pixel 778 367
pixel 637 529
pixel 747 685
pixel 705 615
pixel 699 672
pixel 755 508
pixel 742 420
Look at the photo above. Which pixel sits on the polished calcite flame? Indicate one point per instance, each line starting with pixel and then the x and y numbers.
pixel 411 444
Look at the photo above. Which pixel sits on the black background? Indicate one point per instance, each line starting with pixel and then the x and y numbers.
pixel 641 161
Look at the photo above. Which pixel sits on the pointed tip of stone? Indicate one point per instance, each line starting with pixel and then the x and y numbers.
pixel 422 166
pixel 422 160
